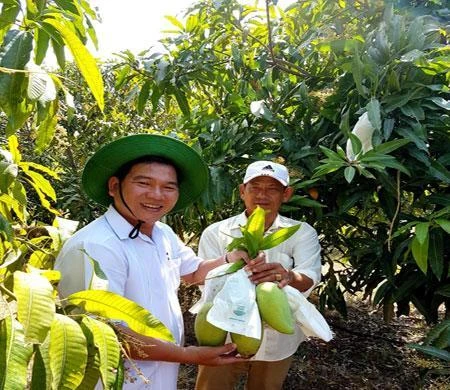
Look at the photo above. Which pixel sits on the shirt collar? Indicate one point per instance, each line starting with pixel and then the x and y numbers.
pixel 120 225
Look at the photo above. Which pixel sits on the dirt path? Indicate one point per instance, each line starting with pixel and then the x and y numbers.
pixel 366 353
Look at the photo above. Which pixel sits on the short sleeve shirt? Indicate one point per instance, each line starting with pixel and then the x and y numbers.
pixel 300 253
pixel 146 270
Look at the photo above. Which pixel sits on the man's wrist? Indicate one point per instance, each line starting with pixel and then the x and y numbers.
pixel 225 258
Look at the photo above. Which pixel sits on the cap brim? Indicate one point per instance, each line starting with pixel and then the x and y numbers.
pixel 247 179
pixel 107 160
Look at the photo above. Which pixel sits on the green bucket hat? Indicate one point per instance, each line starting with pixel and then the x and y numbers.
pixel 108 159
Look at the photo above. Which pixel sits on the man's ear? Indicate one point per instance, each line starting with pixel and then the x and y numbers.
pixel 113 185
pixel 241 190
pixel 288 192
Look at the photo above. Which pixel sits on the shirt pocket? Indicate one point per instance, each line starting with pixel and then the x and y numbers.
pixel 285 260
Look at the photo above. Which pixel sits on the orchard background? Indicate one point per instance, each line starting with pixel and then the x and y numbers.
pixel 238 83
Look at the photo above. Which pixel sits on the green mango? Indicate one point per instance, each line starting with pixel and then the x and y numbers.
pixel 274 307
pixel 205 332
pixel 246 346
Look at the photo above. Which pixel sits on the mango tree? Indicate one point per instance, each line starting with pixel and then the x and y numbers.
pixel 291 84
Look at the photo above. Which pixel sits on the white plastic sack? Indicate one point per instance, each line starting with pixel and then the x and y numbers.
pixel 235 308
pixel 213 284
pixel 308 318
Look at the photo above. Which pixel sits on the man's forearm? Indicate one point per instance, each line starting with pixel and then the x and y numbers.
pixel 299 281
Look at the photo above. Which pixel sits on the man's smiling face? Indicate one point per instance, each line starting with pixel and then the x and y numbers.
pixel 149 189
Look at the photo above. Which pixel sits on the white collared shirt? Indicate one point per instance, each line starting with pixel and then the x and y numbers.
pixel 300 253
pixel 145 270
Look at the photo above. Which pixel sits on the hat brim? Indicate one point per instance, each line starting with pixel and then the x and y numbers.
pixel 272 175
pixel 107 160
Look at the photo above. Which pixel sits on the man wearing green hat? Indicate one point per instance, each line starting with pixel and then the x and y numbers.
pixel 141 178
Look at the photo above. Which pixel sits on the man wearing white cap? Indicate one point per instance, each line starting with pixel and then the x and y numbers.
pixel 295 262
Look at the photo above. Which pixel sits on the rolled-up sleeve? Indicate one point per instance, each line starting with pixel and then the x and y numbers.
pixel 306 254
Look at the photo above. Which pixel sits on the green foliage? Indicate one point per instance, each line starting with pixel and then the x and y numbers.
pixel 65 348
pixel 291 85
pixel 437 342
pixel 253 239
pixel 27 29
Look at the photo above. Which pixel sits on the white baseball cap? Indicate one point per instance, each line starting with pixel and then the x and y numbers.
pixel 267 168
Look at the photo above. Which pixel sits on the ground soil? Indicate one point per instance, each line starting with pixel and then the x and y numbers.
pixel 366 353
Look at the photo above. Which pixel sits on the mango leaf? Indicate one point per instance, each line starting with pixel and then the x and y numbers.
pixel 421 231
pixel 303 201
pixel 143 97
pixel 92 372
pixel 175 22
pixel 326 169
pixel 349 174
pixel 255 224
pixel 42 39
pixel 47 126
pixel 236 243
pixel 420 253
pixel 236 266
pixel 410 135
pixel 431 351
pixel 182 101
pixel 251 246
pixel 13 145
pixel 8 174
pixel 120 376
pixel 333 155
pixel 35 305
pixel 5 228
pixel 440 172
pixel 435 253
pixel 14 55
pixel 20 354
pixel 25 165
pixel 357 73
pixel 18 115
pixel 413 110
pixel 10 10
pixel 57 46
pixel 373 111
pixel 41 183
pixel 441 102
pixel 84 60
pixel 390 146
pixel 444 224
pixel 276 238
pixel 6 337
pixel 99 280
pixel 114 306
pixel 68 353
pixel 12 203
pixel 41 375
pixel 108 349
pixel 50 274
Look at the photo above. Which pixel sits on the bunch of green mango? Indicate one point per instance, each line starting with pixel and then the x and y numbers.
pixel 208 334
pixel 272 301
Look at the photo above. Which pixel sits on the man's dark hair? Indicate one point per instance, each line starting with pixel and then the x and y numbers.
pixel 126 168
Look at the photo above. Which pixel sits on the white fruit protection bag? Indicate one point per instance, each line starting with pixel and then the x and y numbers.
pixel 307 317
pixel 214 281
pixel 235 309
